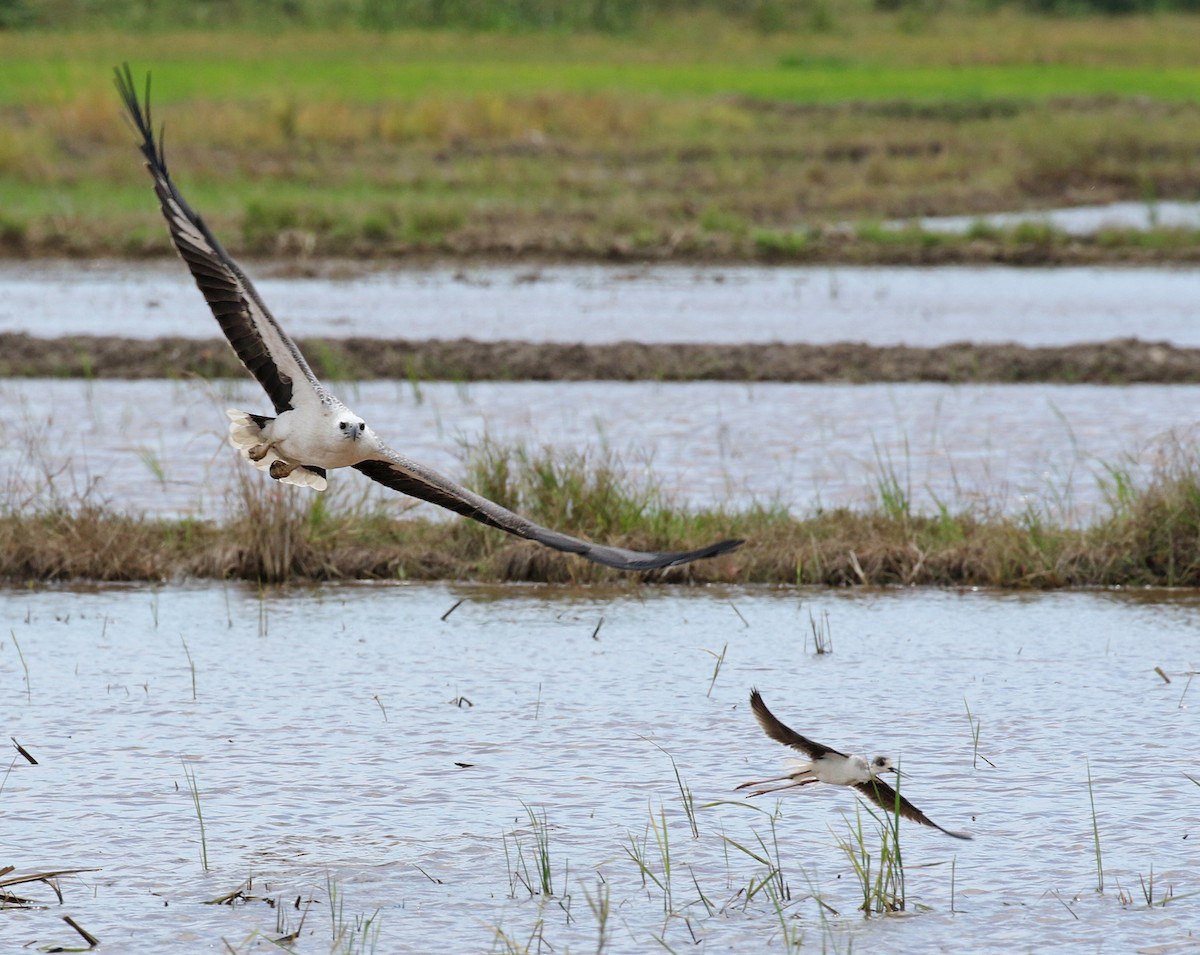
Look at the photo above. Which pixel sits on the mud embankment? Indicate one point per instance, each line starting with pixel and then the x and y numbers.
pixel 1112 362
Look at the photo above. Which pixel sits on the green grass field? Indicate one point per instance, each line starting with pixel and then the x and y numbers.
pixel 859 57
pixel 690 138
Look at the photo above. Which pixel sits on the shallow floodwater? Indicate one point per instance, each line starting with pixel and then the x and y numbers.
pixel 880 306
pixel 357 738
pixel 1080 220
pixel 159 447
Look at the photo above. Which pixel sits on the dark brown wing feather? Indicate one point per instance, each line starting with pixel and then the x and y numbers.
pixel 785 734
pixel 408 477
pixel 887 798
pixel 262 345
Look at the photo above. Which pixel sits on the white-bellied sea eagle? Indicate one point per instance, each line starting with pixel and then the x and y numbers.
pixel 312 431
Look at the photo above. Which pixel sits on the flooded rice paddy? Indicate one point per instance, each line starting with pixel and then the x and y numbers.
pixel 1079 220
pixel 594 304
pixel 380 768
pixel 158 447
pixel 356 741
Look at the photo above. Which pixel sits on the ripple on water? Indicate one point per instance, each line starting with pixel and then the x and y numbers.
pixel 326 750
pixel 878 305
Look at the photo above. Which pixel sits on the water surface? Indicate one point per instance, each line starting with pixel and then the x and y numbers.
pixel 821 305
pixel 1080 220
pixel 159 447
pixel 350 736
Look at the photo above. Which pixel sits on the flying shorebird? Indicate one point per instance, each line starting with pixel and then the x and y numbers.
pixel 827 765
pixel 312 431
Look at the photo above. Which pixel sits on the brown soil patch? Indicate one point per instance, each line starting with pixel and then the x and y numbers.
pixel 1114 362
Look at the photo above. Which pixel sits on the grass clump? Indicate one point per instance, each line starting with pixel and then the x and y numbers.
pixel 1149 536
pixel 587 494
pixel 880 879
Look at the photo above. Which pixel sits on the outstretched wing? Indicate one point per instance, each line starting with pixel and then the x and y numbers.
pixel 408 477
pixel 262 345
pixel 785 734
pixel 888 799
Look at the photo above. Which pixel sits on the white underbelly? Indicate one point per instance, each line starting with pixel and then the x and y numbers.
pixel 315 444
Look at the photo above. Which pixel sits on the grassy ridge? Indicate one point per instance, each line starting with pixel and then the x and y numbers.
pixel 692 138
pixel 1149 536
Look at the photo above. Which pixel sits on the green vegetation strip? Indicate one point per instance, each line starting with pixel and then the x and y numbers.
pixel 1148 536
pixel 357 359
pixel 690 138
pixel 378 77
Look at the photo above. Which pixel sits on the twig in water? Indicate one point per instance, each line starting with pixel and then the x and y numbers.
pixel 458 603
pixel 192 665
pixel 1065 906
pixel 541 849
pixel 4 781
pixel 240 894
pixel 857 568
pixel 381 709
pixel 822 633
pixel 1159 671
pixel 1095 831
pixel 685 791
pixel 596 636
pixel 195 791
pixel 87 936
pixel 720 658
pixel 263 619
pixel 599 905
pixel 23 751
pixel 24 666
pixel 48 877
pixel 739 614
pixel 1185 689
pixel 975 726
pixel 708 906
pixel 1148 889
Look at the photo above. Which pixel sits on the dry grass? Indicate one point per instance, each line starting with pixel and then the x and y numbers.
pixel 1149 537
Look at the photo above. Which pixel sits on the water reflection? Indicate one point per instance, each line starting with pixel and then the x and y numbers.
pixel 330 740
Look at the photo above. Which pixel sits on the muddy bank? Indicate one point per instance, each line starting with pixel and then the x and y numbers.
pixel 1112 362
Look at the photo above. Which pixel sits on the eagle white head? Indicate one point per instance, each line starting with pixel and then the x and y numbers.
pixel 350 426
